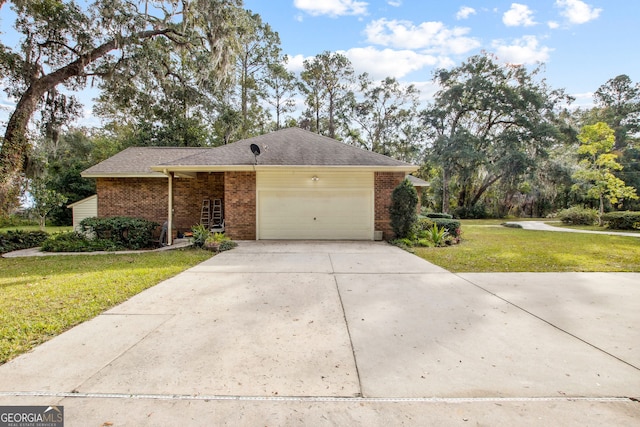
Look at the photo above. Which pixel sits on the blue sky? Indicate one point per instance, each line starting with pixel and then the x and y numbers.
pixel 583 43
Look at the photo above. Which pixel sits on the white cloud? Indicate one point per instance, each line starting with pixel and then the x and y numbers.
pixel 380 64
pixel 295 63
pixel 518 16
pixel 525 50
pixel 577 11
pixel 391 63
pixel 395 3
pixel 332 7
pixel 434 37
pixel 553 25
pixel 465 12
pixel 582 100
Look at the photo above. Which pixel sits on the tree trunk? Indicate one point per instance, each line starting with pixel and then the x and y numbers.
pixel 15 145
pixel 601 210
pixel 332 131
pixel 483 188
pixel 445 191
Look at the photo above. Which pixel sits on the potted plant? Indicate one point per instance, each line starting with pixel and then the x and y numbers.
pixel 218 242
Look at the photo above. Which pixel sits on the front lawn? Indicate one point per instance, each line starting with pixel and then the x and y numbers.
pixel 489 247
pixel 41 297
pixel 49 229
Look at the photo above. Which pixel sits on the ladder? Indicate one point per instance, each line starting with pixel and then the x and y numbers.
pixel 216 217
pixel 205 213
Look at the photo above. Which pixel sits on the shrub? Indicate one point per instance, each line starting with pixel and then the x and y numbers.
pixel 477 211
pixel 200 235
pixel 73 241
pixel 511 225
pixel 626 220
pixel 424 243
pixel 452 226
pixel 405 244
pixel 577 215
pixel 404 201
pixel 129 233
pixel 438 215
pixel 437 235
pixel 20 239
pixel 423 224
pixel 227 245
pixel 219 242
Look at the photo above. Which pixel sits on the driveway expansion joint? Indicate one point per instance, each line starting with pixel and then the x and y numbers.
pixel 204 397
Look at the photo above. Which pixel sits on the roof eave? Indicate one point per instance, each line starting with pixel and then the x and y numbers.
pixel 243 168
pixel 122 175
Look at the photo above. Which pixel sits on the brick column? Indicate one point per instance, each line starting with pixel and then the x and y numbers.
pixel 384 184
pixel 240 201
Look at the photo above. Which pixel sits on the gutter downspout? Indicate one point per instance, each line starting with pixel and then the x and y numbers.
pixel 170 207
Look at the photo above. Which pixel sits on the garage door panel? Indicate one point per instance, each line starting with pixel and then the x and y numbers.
pixel 316 214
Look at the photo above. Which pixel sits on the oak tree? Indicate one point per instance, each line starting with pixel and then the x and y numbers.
pixel 68 44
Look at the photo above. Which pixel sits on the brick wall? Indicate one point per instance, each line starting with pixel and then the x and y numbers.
pixel 148 197
pixel 240 205
pixel 384 183
pixel 188 194
pixel 136 197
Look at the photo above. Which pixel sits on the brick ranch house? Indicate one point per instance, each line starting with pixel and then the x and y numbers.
pixel 301 186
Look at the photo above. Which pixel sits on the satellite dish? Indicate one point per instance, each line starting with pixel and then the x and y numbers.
pixel 255 149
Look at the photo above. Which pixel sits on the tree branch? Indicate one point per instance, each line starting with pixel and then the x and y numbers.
pixel 14 147
pixel 52 42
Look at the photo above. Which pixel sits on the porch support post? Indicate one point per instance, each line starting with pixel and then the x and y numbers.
pixel 170 213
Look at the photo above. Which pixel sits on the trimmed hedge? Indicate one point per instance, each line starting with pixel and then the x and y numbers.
pixel 438 215
pixel 627 220
pixel 130 233
pixel 19 239
pixel 577 215
pixel 73 241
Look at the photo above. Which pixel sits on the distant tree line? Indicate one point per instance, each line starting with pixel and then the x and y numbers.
pixel 495 140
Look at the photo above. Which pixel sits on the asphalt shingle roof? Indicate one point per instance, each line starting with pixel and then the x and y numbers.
pixel 286 147
pixel 138 161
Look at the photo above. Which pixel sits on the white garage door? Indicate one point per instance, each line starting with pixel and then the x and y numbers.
pixel 315 205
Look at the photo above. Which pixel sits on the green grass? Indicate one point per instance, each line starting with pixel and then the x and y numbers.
pixel 488 247
pixel 40 297
pixel 49 229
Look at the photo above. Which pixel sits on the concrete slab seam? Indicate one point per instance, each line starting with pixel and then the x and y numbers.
pixel 549 323
pixel 201 397
pixel 346 324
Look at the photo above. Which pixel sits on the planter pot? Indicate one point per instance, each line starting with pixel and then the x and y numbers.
pixel 214 247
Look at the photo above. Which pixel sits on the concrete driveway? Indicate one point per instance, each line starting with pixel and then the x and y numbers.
pixel 346 333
